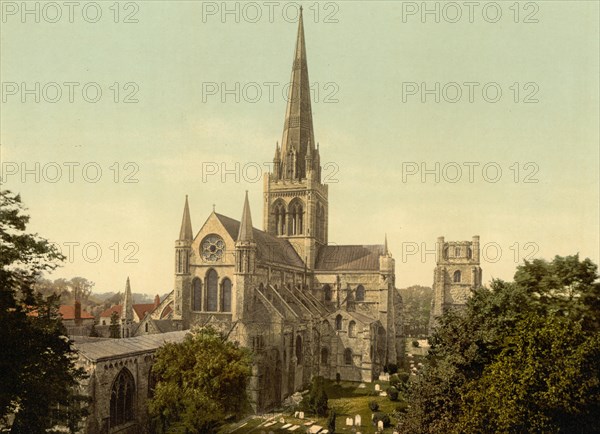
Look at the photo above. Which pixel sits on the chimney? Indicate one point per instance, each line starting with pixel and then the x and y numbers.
pixel 156 300
pixel 77 311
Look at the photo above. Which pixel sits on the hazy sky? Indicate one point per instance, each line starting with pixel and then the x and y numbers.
pixel 202 81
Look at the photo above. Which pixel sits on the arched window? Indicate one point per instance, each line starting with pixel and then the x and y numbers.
pixel 360 293
pixel 457 276
pixel 327 292
pixel 352 329
pixel 348 356
pixel 197 295
pixel 445 254
pixel 279 214
pixel 226 295
pixel 324 356
pixel 299 349
pixel 338 322
pixel 296 217
pixel 469 253
pixel 212 280
pixel 121 398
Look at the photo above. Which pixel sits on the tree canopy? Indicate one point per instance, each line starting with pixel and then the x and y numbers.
pixel 199 382
pixel 522 357
pixel 38 376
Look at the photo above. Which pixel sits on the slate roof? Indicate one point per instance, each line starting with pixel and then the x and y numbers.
pixel 110 348
pixel 270 248
pixel 349 258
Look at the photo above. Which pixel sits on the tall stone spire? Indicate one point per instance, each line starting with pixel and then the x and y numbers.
pixel 298 132
pixel 385 246
pixel 185 233
pixel 245 233
pixel 127 308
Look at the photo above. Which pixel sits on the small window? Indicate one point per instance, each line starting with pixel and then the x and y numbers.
pixel 457 276
pixel 352 329
pixel 197 295
pixel 457 252
pixel 146 327
pixel 324 356
pixel 348 356
pixel 327 292
pixel 338 322
pixel 360 293
pixel 226 295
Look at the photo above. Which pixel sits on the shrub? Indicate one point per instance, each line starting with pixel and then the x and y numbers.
pixel 415 344
pixel 379 416
pixel 392 394
pixel 392 368
pixel 373 406
pixel 338 378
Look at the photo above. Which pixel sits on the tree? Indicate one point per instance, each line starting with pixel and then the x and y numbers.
pixel 200 382
pixel 316 401
pixel 548 317
pixel 38 374
pixel 114 328
pixel 331 422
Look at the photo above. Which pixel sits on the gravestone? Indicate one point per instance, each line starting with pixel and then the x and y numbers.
pixel 377 388
pixel 301 415
pixel 357 420
pixel 380 425
pixel 348 421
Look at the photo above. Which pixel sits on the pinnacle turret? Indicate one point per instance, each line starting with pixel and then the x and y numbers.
pixel 185 233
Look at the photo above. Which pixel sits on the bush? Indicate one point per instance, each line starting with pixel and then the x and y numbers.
pixel 373 406
pixel 392 394
pixel 392 368
pixel 415 344
pixel 338 378
pixel 379 416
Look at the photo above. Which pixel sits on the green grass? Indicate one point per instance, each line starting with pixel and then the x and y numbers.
pixel 347 400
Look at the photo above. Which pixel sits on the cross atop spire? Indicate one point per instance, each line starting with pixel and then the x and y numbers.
pixel 185 233
pixel 246 233
pixel 298 132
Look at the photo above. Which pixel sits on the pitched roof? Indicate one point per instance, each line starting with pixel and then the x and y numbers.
pixel 67 311
pixel 111 348
pixel 349 258
pixel 142 309
pixel 270 248
pixel 108 312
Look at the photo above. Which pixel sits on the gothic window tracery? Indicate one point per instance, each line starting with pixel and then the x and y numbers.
pixel 279 213
pixel 296 217
pixel 121 398
pixel 212 279
pixel 212 248
pixel 226 295
pixel 197 295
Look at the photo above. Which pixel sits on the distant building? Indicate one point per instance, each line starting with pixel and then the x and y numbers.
pixel 456 274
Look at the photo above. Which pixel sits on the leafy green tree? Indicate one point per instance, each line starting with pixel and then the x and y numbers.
pixel 416 307
pixel 200 382
pixel 469 349
pixel 114 328
pixel 38 376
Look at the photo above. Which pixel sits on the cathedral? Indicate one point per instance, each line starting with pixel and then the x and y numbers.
pixel 303 306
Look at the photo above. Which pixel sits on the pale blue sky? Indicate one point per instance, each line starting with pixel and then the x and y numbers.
pixel 370 54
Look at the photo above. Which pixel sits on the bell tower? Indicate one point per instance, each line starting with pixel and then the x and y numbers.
pixel 295 200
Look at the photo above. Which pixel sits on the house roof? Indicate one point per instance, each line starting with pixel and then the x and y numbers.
pixel 67 311
pixel 108 312
pixel 140 309
pixel 113 348
pixel 349 258
pixel 270 248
